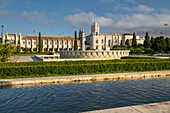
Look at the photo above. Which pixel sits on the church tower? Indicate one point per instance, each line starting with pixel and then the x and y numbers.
pixel 82 39
pixel 95 29
pixel 80 34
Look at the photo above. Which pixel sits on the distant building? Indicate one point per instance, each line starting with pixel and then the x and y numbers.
pixel 94 41
pixel 13 39
pixel 49 43
pixel 97 41
pixel 32 42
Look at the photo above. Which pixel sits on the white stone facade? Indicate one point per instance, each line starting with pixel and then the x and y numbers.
pixel 115 54
pixel 97 41
pixel 13 39
pixel 49 43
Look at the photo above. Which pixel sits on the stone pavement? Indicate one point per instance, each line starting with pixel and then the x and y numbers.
pixel 25 59
pixel 163 107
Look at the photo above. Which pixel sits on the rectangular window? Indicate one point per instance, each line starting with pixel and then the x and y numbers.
pixel 109 43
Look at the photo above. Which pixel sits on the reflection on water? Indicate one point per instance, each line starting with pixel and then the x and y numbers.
pixel 79 97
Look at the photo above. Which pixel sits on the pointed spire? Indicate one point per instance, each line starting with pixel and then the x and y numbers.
pixel 83 30
pixel 80 30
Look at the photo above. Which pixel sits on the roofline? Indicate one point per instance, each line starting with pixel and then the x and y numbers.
pixel 46 37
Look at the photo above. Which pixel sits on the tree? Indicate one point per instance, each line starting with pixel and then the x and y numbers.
pixel 149 51
pixel 139 51
pixel 147 43
pixel 152 41
pixel 121 43
pixel 132 50
pixel 26 50
pixel 75 41
pixel 127 43
pixel 159 44
pixel 134 42
pixel 118 47
pixel 167 44
pixel 17 49
pixel 40 43
pixel 6 50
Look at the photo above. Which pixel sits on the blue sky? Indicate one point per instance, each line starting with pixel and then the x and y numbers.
pixel 63 17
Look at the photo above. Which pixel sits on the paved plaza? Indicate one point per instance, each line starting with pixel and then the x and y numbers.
pixel 163 107
pixel 24 59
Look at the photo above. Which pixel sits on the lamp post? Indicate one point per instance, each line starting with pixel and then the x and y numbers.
pixel 2 27
pixel 166 27
pixel 2 33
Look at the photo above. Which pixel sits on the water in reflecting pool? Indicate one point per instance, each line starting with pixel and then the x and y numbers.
pixel 73 98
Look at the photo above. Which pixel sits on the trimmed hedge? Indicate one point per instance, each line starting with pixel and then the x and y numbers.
pixel 133 57
pixel 83 68
pixel 80 62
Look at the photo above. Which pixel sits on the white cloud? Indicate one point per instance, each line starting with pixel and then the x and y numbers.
pixel 34 16
pixel 6 13
pixel 5 3
pixel 105 22
pixel 145 8
pixel 76 9
pixel 81 17
pixel 54 22
pixel 88 18
pixel 38 17
pixel 139 22
pixel 140 8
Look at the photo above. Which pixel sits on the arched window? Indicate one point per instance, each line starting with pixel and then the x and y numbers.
pixel 102 41
pixel 103 47
pixel 88 48
pixel 96 47
pixel 96 41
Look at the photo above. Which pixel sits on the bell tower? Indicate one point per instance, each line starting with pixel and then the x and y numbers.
pixel 82 38
pixel 95 28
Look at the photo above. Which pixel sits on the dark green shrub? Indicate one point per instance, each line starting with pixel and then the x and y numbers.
pixel 131 57
pixel 77 69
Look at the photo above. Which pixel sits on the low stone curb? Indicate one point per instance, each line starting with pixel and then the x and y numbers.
pixel 77 78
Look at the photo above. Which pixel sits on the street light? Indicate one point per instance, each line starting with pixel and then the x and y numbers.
pixel 166 26
pixel 2 34
pixel 2 27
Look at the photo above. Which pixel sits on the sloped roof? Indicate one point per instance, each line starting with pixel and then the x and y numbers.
pixel 127 34
pixel 60 38
pixel 11 34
